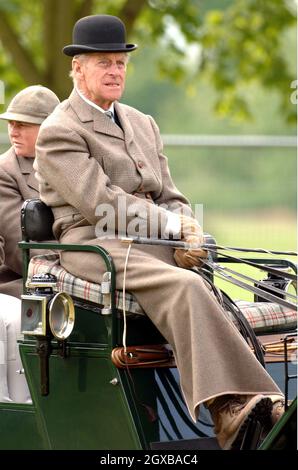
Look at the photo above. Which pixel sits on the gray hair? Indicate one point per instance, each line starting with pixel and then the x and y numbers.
pixel 81 58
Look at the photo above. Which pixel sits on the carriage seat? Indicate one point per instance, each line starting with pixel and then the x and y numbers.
pixel 264 317
pixel 37 220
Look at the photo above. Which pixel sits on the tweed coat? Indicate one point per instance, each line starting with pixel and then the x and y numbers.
pixel 1 250
pixel 17 183
pixel 83 159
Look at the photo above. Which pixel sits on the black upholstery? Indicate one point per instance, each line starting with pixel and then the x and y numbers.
pixel 36 221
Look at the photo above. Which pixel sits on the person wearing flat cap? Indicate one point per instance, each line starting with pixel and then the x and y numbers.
pixel 25 113
pixel 94 154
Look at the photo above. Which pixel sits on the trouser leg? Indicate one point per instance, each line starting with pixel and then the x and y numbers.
pixel 212 357
pixel 4 396
pixel 10 315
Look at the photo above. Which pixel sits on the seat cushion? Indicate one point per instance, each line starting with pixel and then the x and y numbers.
pixel 267 317
pixel 264 317
pixel 77 287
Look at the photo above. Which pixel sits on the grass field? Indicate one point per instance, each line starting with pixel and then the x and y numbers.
pixel 275 230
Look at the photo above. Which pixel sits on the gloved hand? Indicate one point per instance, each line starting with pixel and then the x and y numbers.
pixel 191 232
pixel 190 227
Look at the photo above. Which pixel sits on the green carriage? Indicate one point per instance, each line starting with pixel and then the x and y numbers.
pixel 87 392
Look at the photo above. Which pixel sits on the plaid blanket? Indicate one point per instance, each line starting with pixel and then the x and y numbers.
pixel 264 317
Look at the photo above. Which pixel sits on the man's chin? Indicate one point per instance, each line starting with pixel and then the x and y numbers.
pixel 22 153
pixel 114 94
pixel 18 151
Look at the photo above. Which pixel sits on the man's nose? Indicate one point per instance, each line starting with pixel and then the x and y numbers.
pixel 114 68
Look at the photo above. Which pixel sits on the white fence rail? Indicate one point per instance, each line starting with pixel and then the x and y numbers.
pixel 192 140
pixel 228 140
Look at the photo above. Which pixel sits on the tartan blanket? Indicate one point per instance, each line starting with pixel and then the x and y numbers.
pixel 264 317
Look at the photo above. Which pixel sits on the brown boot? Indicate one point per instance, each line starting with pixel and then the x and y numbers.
pixel 278 408
pixel 231 414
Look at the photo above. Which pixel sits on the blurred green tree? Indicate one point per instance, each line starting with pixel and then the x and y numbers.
pixel 230 42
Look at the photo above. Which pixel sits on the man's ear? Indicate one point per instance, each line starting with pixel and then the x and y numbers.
pixel 77 67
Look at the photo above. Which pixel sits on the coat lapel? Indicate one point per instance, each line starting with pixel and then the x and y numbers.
pixel 26 167
pixel 32 181
pixel 86 113
pixel 125 123
pixel 105 125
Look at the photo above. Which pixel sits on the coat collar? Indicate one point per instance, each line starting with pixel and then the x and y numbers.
pixel 101 124
pixel 80 107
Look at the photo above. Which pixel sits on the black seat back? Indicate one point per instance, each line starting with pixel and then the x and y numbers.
pixel 36 221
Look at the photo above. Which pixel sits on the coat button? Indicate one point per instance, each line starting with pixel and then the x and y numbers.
pixel 141 164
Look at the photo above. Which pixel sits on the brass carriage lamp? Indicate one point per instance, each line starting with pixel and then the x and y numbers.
pixel 47 315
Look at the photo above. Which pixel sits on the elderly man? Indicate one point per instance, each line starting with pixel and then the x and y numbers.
pixel 95 154
pixel 25 113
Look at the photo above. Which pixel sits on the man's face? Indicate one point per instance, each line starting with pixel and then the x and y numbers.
pixel 22 136
pixel 102 76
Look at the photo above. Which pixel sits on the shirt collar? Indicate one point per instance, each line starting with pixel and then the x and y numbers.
pixel 111 108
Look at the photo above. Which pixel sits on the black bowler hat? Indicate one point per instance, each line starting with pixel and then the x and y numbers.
pixel 99 33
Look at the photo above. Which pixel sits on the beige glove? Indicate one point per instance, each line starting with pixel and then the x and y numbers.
pixel 191 232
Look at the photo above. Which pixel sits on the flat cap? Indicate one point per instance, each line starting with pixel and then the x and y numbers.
pixel 31 105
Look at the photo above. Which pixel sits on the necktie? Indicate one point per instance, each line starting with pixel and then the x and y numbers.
pixel 110 115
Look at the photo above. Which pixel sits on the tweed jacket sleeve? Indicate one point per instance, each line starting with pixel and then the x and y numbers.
pixel 1 250
pixel 169 194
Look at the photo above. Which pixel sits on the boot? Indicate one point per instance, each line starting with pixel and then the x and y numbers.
pixel 231 415
pixel 278 408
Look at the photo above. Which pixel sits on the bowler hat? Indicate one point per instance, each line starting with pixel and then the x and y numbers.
pixel 31 105
pixel 99 33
